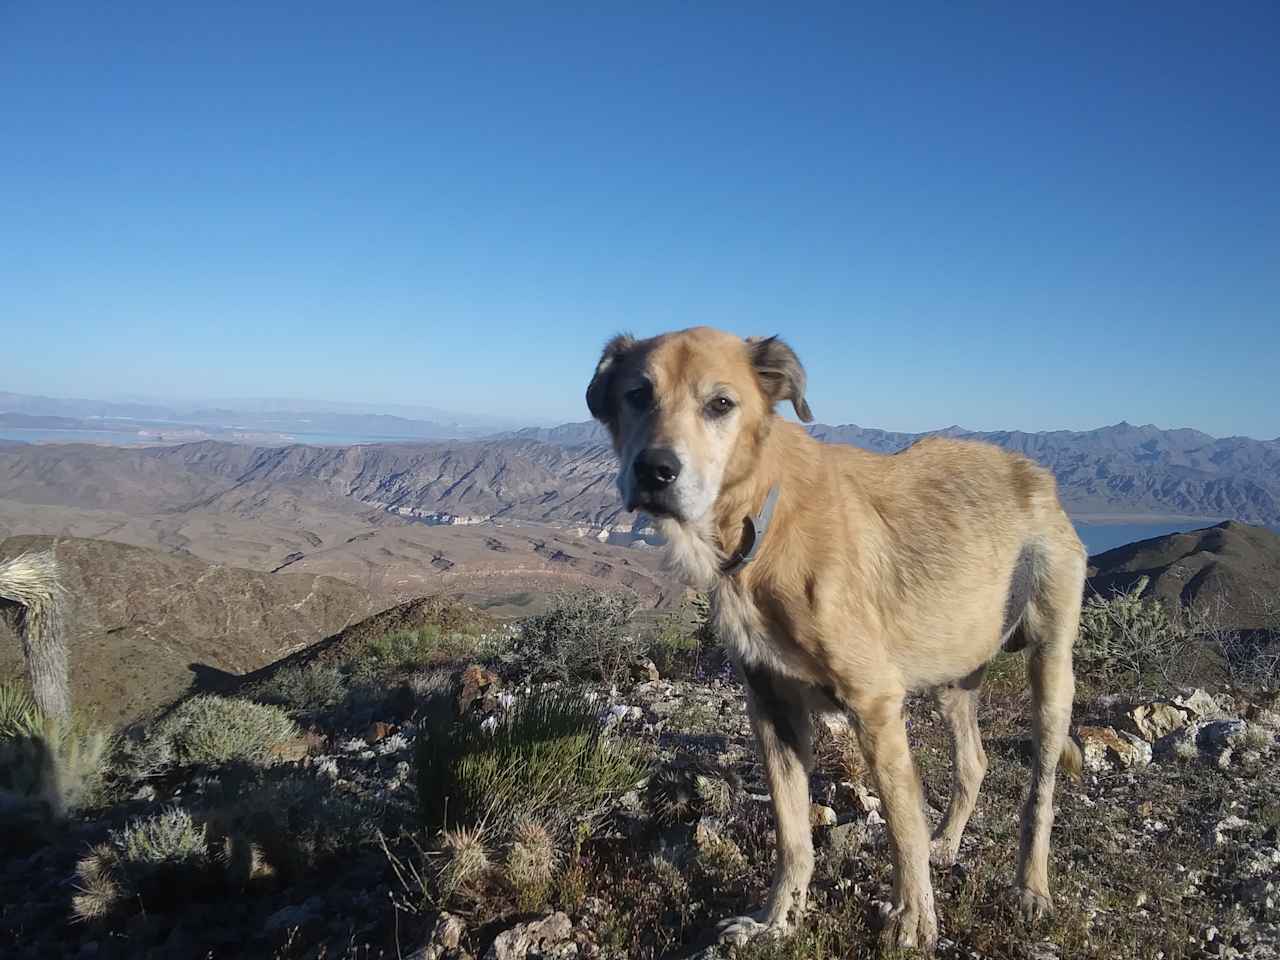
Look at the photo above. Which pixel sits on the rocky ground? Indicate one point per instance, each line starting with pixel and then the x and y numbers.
pixel 1169 847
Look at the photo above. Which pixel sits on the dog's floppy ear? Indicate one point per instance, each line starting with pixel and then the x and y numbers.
pixel 780 374
pixel 599 399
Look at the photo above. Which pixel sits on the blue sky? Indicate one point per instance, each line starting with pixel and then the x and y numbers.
pixel 994 216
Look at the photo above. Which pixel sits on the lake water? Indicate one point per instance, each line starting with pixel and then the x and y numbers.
pixel 1099 537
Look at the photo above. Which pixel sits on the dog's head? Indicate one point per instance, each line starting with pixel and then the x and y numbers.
pixel 688 413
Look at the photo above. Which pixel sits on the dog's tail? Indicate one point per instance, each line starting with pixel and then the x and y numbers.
pixel 1072 760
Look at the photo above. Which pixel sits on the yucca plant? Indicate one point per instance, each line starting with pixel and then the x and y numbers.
pixel 18 714
pixel 50 766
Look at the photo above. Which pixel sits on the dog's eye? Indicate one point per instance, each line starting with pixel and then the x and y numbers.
pixel 719 406
pixel 640 398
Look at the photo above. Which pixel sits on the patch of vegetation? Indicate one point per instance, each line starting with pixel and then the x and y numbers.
pixel 1126 635
pixel 212 730
pixel 531 863
pixel 18 714
pixel 305 690
pixel 292 822
pixel 49 766
pixel 583 636
pixel 546 759
pixel 155 863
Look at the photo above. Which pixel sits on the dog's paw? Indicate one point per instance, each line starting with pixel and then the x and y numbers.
pixel 908 926
pixel 737 931
pixel 943 852
pixel 1031 905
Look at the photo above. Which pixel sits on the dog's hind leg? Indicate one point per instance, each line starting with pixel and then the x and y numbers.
pixel 882 734
pixel 1052 619
pixel 783 725
pixel 958 704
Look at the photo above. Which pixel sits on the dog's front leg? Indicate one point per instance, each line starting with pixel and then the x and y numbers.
pixel 882 734
pixel 784 732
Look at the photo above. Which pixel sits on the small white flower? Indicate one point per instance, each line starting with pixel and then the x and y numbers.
pixel 489 724
pixel 327 767
pixel 393 744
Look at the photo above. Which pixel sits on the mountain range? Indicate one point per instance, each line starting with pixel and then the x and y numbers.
pixel 564 475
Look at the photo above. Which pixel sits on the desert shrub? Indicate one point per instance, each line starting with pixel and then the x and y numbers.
pixel 1252 661
pixel 674 647
pixel 214 730
pixel 294 822
pixel 426 647
pixel 583 636
pixel 545 759
pixel 153 863
pixel 1126 634
pixel 49 766
pixel 305 690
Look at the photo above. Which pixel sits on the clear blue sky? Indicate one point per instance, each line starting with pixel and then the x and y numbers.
pixel 977 213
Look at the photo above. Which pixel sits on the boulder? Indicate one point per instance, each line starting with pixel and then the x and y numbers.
pixel 444 941
pixel 537 940
pixel 1106 748
pixel 1151 721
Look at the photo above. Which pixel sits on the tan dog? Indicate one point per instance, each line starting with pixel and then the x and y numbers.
pixel 842 580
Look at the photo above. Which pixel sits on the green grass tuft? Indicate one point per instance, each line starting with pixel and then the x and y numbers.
pixel 546 759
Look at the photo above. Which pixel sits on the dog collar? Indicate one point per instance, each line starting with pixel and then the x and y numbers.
pixel 753 530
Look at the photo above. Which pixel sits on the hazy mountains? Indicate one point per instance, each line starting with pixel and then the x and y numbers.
pixel 258 420
pixel 1116 470
pixel 565 474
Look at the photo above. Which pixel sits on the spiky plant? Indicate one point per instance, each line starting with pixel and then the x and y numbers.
pixel 465 860
pixel 31 601
pixel 18 714
pixel 684 790
pixel 531 862
pixel 50 766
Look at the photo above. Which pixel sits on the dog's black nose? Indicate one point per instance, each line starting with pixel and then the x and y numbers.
pixel 656 468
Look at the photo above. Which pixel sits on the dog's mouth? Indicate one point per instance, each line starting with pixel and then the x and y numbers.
pixel 657 505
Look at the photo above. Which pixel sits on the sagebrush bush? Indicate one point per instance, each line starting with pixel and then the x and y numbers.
pixel 583 636
pixel 305 690
pixel 214 730
pixel 546 760
pixel 154 863
pixel 49 766
pixel 430 646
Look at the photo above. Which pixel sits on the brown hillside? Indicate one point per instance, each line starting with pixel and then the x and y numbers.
pixel 144 625
pixel 1232 562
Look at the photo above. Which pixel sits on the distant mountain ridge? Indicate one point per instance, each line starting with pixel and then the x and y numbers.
pixel 1117 469
pixel 1232 567
pixel 566 474
pixel 226 419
